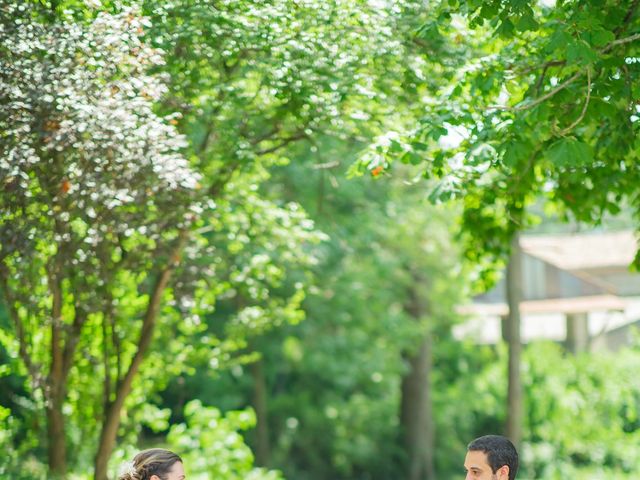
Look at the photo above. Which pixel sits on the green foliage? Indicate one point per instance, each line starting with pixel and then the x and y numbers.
pixel 98 200
pixel 338 416
pixel 212 447
pixel 497 103
pixel 17 462
pixel 541 104
pixel 469 384
pixel 582 413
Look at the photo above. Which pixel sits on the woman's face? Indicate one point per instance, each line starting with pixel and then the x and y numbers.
pixel 176 473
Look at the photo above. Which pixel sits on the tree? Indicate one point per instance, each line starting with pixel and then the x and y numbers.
pixel 82 149
pixel 351 377
pixel 306 75
pixel 514 287
pixel 212 88
pixel 541 105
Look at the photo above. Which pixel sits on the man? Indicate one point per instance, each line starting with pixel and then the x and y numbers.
pixel 491 457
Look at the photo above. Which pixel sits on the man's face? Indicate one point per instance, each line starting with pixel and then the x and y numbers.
pixel 478 468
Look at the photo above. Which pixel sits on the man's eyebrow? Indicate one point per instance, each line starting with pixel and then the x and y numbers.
pixel 473 467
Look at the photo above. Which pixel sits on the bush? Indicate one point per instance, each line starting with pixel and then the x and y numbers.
pixel 212 447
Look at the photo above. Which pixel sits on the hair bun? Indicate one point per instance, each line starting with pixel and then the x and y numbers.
pixel 128 471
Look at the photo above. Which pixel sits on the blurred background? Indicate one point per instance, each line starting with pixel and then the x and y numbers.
pixel 318 240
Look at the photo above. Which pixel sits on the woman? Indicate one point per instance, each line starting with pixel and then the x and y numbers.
pixel 154 464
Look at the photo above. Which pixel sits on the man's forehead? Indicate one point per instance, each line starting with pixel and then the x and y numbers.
pixel 476 459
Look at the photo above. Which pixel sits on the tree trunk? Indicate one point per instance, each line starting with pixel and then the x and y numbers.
pixel 577 340
pixel 111 420
pixel 57 451
pixel 55 390
pixel 416 410
pixel 263 447
pixel 416 415
pixel 514 297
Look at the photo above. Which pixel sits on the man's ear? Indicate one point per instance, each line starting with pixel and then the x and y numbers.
pixel 503 472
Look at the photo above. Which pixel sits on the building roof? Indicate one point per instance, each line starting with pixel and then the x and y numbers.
pixel 585 273
pixel 600 259
pixel 583 251
pixel 593 303
pixel 569 273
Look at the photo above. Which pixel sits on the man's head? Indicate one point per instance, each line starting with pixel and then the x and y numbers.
pixel 491 457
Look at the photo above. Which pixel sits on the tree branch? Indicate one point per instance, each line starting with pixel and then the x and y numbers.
pixel 55 377
pixel 620 41
pixel 325 165
pixel 72 340
pixel 112 415
pixel 105 362
pixel 34 369
pixel 216 187
pixel 115 340
pixel 284 142
pixel 541 79
pixel 265 136
pixel 551 93
pixel 627 18
pixel 563 132
pixel 205 139
pixel 605 49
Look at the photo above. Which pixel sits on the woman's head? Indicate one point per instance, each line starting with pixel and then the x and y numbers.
pixel 155 464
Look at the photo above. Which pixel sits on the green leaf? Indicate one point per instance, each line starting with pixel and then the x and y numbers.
pixel 514 152
pixel 412 158
pixel 527 22
pixel 570 152
pixel 579 51
pixel 601 37
pixel 506 28
pixel 558 41
pixel 438 132
pixel 415 158
pixel 489 10
pixel 396 147
pixel 429 31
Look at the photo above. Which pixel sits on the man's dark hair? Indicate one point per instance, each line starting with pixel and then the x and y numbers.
pixel 500 451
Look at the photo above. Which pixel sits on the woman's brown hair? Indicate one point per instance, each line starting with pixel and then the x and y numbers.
pixel 155 461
